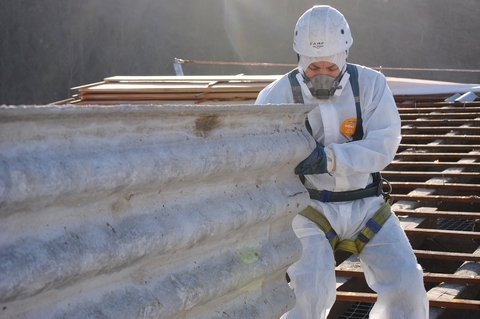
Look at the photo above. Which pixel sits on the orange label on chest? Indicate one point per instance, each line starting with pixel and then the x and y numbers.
pixel 348 126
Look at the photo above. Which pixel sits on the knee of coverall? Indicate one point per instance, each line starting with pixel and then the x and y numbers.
pixel 317 253
pixel 312 277
pixel 391 269
pixel 389 261
pixel 393 305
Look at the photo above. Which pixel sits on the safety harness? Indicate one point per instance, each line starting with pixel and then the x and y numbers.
pixel 375 223
pixel 356 246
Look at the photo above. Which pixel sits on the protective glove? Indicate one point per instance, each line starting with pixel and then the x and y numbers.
pixel 315 163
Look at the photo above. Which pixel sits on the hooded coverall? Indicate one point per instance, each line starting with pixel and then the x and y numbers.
pixel 388 261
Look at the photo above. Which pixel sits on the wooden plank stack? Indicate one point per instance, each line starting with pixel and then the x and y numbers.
pixel 171 89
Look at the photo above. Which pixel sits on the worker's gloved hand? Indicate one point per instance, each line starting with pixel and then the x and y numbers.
pixel 315 163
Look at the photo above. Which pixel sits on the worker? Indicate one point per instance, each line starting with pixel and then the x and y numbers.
pixel 356 127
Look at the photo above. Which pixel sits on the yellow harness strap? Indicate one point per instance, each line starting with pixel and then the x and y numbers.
pixel 356 246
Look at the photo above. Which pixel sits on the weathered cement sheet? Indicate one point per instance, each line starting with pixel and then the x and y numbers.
pixel 149 212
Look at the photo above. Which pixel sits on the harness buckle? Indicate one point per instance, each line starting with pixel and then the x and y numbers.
pixel 383 180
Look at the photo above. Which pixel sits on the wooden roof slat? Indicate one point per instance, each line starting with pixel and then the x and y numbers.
pixel 167 96
pixel 440 122
pixel 435 104
pixel 171 88
pixel 447 233
pixel 441 147
pixel 473 199
pixel 433 164
pixel 427 276
pixel 437 214
pixel 438 109
pixel 86 85
pixel 448 186
pixel 441 255
pixel 430 174
pixel 462 137
pixel 372 297
pixel 435 156
pixel 441 128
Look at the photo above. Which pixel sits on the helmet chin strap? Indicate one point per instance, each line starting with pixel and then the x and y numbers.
pixel 324 86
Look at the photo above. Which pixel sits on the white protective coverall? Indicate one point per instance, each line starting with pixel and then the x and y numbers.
pixel 388 261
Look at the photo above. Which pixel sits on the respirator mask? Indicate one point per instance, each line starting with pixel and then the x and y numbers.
pixel 323 86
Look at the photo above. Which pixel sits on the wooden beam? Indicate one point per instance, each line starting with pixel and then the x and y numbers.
pixel 448 147
pixel 446 233
pixel 170 96
pixel 440 255
pixel 437 214
pixel 461 137
pixel 471 115
pixel 437 109
pixel 449 186
pixel 440 122
pixel 409 154
pixel 438 198
pixel 372 297
pixel 434 165
pixel 427 277
pixel 445 129
pixel 430 174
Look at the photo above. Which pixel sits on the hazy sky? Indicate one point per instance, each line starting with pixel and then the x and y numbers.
pixel 50 46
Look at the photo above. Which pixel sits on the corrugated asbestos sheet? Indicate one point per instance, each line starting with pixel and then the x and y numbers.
pixel 435 180
pixel 149 212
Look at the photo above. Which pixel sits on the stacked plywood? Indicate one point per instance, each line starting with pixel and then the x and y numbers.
pixel 168 89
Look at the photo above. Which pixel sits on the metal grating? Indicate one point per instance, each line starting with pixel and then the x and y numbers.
pixel 359 310
pixel 456 224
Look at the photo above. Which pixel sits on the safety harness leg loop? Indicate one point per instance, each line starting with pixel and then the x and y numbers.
pixel 364 239
pixel 331 234
pixel 373 225
pixel 356 246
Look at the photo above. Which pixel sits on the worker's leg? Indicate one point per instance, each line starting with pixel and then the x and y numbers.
pixel 392 271
pixel 313 275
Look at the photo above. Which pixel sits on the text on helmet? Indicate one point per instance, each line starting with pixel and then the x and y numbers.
pixel 317 45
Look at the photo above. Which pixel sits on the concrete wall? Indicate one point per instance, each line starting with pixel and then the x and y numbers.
pixel 149 212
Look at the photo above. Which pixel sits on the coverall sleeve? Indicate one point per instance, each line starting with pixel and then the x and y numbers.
pixel 382 131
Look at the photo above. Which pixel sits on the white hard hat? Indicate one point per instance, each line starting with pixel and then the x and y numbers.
pixel 320 32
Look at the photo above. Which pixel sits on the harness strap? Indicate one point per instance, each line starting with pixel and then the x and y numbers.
pixel 352 70
pixel 296 89
pixel 373 189
pixel 322 223
pixel 373 225
pixel 355 246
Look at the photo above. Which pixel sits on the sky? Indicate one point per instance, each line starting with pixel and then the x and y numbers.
pixel 49 47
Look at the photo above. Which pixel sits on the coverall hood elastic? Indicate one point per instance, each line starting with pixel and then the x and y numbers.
pixel 340 59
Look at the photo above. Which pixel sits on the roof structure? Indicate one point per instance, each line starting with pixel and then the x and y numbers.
pixel 436 186
pixel 435 176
